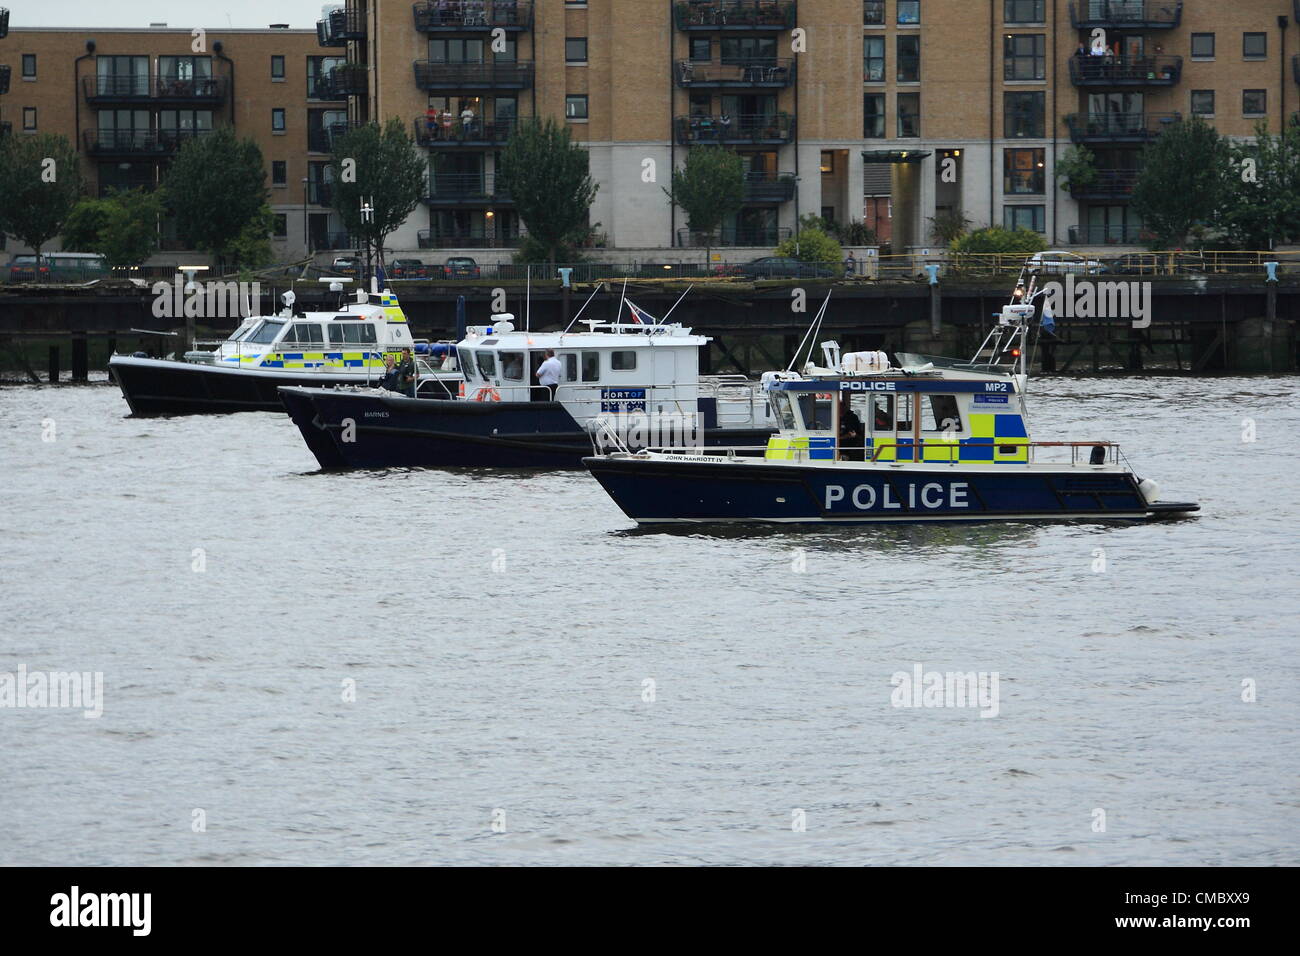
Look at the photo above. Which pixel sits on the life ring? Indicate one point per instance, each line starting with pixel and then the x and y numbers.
pixel 487 395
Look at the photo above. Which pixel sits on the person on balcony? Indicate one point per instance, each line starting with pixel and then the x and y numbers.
pixel 467 122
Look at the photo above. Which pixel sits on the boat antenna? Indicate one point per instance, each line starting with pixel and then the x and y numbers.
pixel 618 319
pixel 675 304
pixel 528 300
pixel 812 327
pixel 583 309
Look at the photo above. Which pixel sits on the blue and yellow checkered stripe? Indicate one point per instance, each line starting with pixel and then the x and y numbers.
pixel 816 448
pixel 299 360
pixel 993 438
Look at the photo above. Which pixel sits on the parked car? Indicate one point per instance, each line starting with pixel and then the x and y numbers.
pixel 28 269
pixel 408 269
pixel 781 267
pixel 346 266
pixel 461 267
pixel 58 267
pixel 1158 263
pixel 1057 262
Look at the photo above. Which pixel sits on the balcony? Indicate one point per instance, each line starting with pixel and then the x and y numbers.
pixel 349 79
pixel 134 142
pixel 473 76
pixel 766 73
pixel 759 236
pixel 1126 14
pixel 319 192
pixel 490 237
pixel 451 16
pixel 1126 235
pixel 769 187
pixel 1126 70
pixel 340 27
pixel 4 22
pixel 156 89
pixel 4 79
pixel 321 139
pixel 464 189
pixel 741 130
pixel 734 15
pixel 1119 127
pixel 1112 185
pixel 434 134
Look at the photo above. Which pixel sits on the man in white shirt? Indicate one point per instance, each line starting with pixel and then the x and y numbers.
pixel 548 374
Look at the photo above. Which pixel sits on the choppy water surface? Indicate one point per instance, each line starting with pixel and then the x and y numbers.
pixel 500 629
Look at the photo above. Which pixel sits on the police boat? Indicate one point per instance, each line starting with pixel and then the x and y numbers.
pixel 861 441
pixel 639 378
pixel 337 347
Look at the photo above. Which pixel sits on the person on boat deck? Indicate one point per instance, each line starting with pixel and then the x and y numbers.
pixel 406 374
pixel 884 414
pixel 389 379
pixel 850 433
pixel 548 374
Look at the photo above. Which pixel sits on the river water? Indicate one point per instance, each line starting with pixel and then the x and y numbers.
pixel 491 668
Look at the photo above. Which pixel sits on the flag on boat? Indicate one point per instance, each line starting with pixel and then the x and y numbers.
pixel 639 316
pixel 1049 320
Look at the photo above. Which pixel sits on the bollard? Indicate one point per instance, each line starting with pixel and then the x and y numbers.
pixel 80 359
pixel 54 364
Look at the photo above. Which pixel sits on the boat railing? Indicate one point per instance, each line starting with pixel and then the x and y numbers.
pixel 1110 450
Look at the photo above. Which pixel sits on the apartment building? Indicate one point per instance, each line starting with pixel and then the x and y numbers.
pixel 128 100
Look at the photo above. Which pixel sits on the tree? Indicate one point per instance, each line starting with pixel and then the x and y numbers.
pixel 709 187
pixel 216 186
pixel 40 182
pixel 381 167
pixel 1077 168
pixel 1261 201
pixel 85 224
pixel 252 247
pixel 546 174
pixel 995 239
pixel 130 234
pixel 1182 180
pixel 812 245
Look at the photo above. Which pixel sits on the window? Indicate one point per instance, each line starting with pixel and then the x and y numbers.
pixel 622 361
pixel 1254 46
pixel 909 11
pixel 319 69
pixel 909 114
pixel 575 50
pixel 363 333
pixel 122 75
pixel 305 334
pixel 873 115
pixel 1254 102
pixel 1202 102
pixel 749 50
pixel 279 172
pixel 29 117
pixel 29 66
pixel 1025 217
pixel 509 53
pixel 873 59
pixel 1023 171
pixel 943 413
pixel 265 333
pixel 1202 46
pixel 909 58
pixel 701 49
pixel 570 362
pixel 487 363
pixel 277 120
pixel 1023 11
pixel 512 366
pixel 456 50
pixel 277 67
pixel 591 366
pixel 575 107
pixel 1023 115
pixel 1025 56
pixel 873 13
pixel 464 359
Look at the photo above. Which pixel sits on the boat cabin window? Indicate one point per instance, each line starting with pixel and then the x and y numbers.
pixel 241 334
pixel 487 363
pixel 905 413
pixel 622 361
pixel 352 333
pixel 305 333
pixel 570 362
pixel 591 366
pixel 939 413
pixel 465 359
pixel 512 366
pixel 780 402
pixel 882 413
pixel 265 333
pixel 815 410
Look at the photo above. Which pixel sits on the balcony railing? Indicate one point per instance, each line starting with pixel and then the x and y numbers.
pixel 321 139
pixel 155 88
pixel 1108 235
pixel 4 79
pixel 4 22
pixel 760 236
pixel 1126 70
pixel 340 27
pixel 319 192
pixel 1111 184
pixel 473 76
pixel 348 79
pixel 464 189
pixel 1119 127
pixel 487 238
pixel 769 187
pixel 431 131
pixel 743 129
pixel 1126 14
pixel 134 142
pixel 735 15
pixel 767 72
pixel 464 16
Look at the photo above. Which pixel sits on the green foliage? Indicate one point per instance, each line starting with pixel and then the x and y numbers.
pixel 1261 201
pixel 947 227
pixel 251 249
pixel 1077 168
pixel 812 245
pixel 85 224
pixel 386 170
pixel 709 187
pixel 995 239
pixel 40 182
pixel 546 174
pixel 214 189
pixel 853 233
pixel 1183 181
